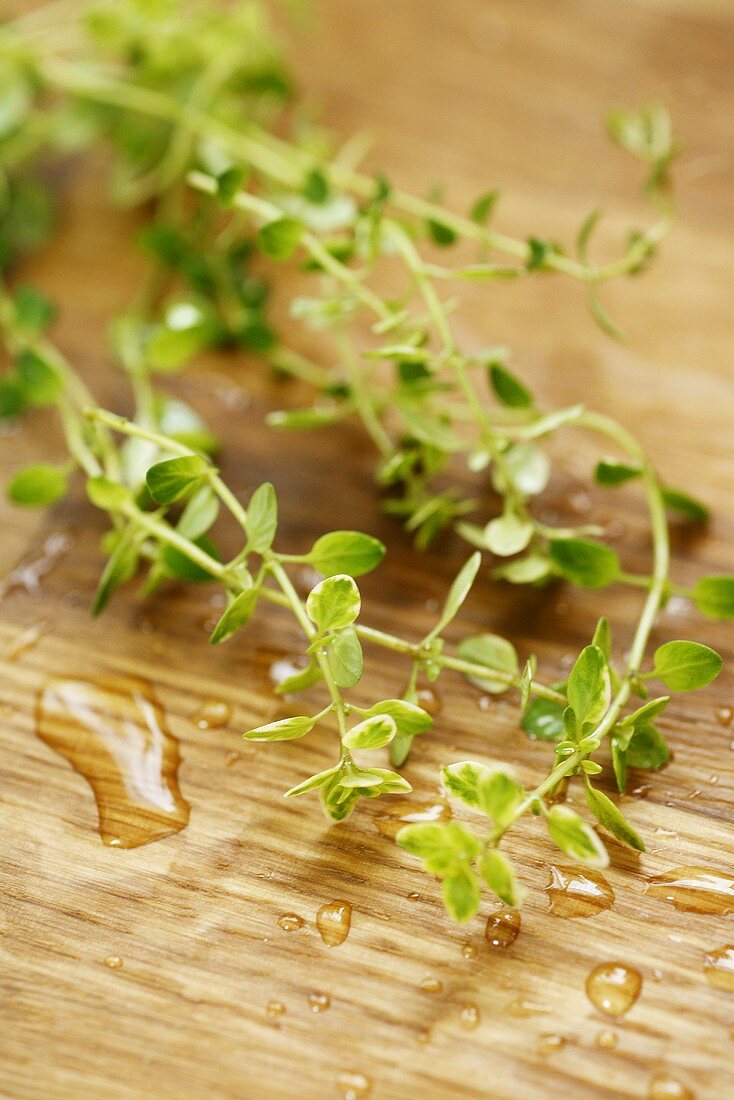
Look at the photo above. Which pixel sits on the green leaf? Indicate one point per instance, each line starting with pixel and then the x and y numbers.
pixel 619 765
pixel 409 719
pixel 345 658
pixel 684 666
pixel 440 233
pixel 714 597
pixel 649 710
pixel 575 838
pixel 587 228
pixel 589 688
pixel 610 818
pixel 390 782
pixel 532 569
pixel 372 733
pixel 262 518
pixel 527 468
pixel 603 637
pixel 320 779
pixel 508 534
pixel 543 720
pixel 229 182
pixel 304 419
pixel 490 790
pixel 484 206
pixel 287 729
pixel 120 567
pixel 493 652
pixel 647 749
pixel 177 564
pixel 186 329
pixel 279 239
pixel 461 894
pixel 38 486
pixel 508 389
pixel 316 186
pixel 169 480
pixel 346 552
pixel 686 506
pixel 33 312
pixel 237 615
pixel 199 514
pixel 40 381
pixel 106 494
pixel 440 846
pixel 590 564
pixel 611 473
pixel 458 592
pixel 334 603
pixel 499 875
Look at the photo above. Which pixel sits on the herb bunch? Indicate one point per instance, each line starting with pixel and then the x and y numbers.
pixel 188 116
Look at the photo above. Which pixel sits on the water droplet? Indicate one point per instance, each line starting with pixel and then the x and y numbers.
pixel 469 1017
pixel 719 968
pixel 28 575
pixel 663 1087
pixel 212 715
pixel 423 1036
pixel 333 920
pixel 575 893
pixel 524 1008
pixel 429 699
pixel 695 890
pixel 713 779
pixel 580 503
pixel 724 716
pixel 319 1002
pixel 503 927
pixel 231 759
pixel 613 988
pixel 287 666
pixel 113 961
pixel 28 638
pixel 607 1040
pixel 469 950
pixel 275 1009
pixel 550 1044
pixel 413 896
pixel 353 1086
pixel 291 922
pixel 668 833
pixel 431 985
pixel 405 811
pixel 113 733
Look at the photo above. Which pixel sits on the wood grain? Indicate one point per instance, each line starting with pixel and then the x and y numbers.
pixel 476 93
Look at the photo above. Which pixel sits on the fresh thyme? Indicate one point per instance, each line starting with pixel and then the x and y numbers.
pixel 190 117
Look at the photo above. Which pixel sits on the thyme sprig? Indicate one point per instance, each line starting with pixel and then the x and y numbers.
pixel 189 116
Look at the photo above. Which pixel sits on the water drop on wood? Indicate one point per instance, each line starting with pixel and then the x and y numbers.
pixel 212 715
pixel 333 920
pixel 431 985
pixel 405 811
pixel 664 1087
pixel 319 1002
pixel 503 927
pixel 695 890
pixel 112 731
pixel 353 1086
pixel 469 1018
pixel 291 922
pixel 114 962
pixel 613 988
pixel 719 968
pixel 576 893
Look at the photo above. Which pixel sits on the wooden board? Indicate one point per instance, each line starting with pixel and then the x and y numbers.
pixel 476 93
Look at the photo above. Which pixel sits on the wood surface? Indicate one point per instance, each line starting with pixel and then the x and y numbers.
pixel 475 93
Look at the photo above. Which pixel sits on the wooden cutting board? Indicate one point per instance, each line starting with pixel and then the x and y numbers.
pixel 475 93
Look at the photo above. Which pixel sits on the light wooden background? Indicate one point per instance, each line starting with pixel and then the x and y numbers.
pixel 475 93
